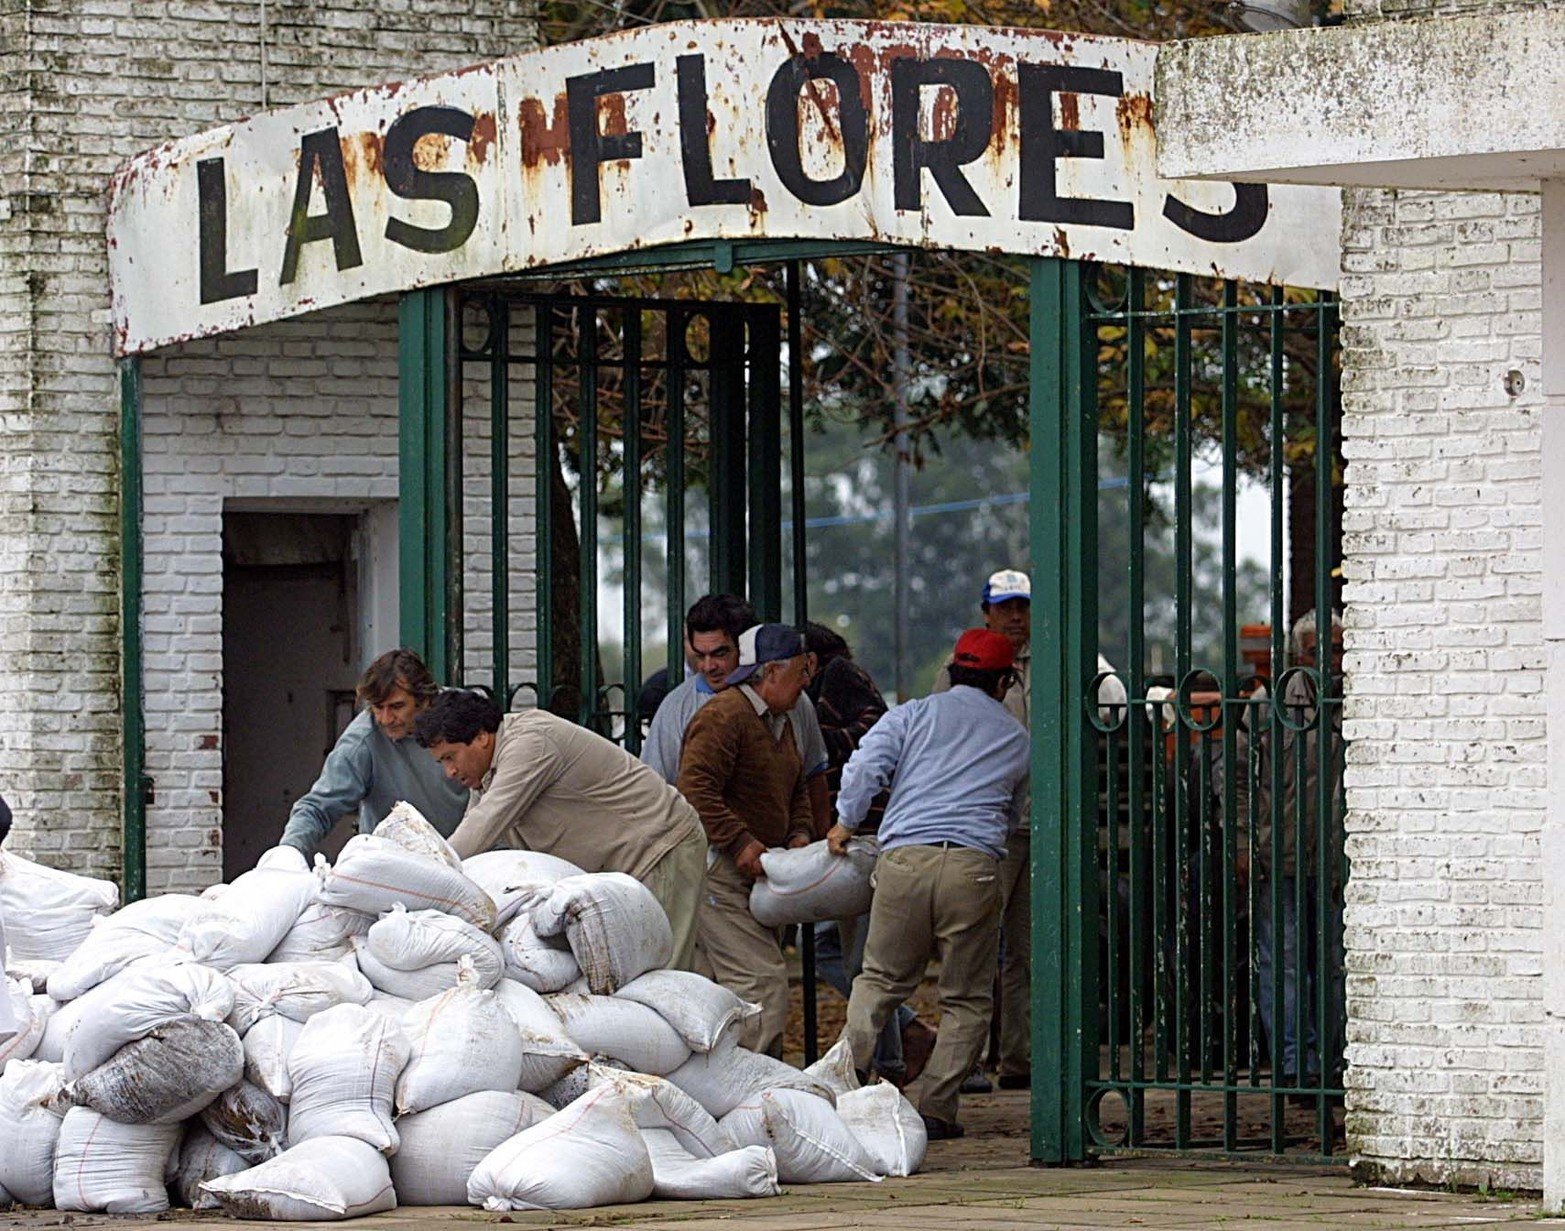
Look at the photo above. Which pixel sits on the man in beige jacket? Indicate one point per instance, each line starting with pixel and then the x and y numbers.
pixel 545 784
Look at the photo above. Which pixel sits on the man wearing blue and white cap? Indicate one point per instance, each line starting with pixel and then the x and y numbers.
pixel 741 770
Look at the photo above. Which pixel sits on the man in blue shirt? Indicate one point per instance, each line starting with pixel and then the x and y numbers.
pixel 957 765
pixel 375 763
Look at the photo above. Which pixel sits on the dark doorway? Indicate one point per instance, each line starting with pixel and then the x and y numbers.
pixel 289 668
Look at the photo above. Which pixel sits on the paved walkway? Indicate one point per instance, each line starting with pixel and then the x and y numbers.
pixel 983 1183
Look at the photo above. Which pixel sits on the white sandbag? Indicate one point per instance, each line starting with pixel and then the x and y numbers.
pixel 543 963
pixel 283 858
pixel 659 1104
pixel 408 828
pixel 621 1030
pixel 344 1070
pixel 887 1125
pixel 249 1121
pixel 250 919
pixel 322 933
pixel 134 1002
pixel 548 1052
pixel 415 941
pixel 677 1175
pixel 166 1076
pixel 322 1180
pixel 24 1026
pixel 104 1167
pixel 203 1157
pixel 61 1022
pixel 268 1044
pixel 835 1069
pixel 587 1155
pixel 616 928
pixel 296 990
pixel 462 1041
pixel 30 1115
pixel 394 1007
pixel 406 985
pixel 142 932
pixel 809 884
pixel 812 1144
pixel 517 880
pixel 34 972
pixel 702 1011
pixel 47 912
pixel 441 1147
pixel 724 1077
pixel 374 874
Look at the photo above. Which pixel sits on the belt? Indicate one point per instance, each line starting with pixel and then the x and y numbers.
pixel 950 846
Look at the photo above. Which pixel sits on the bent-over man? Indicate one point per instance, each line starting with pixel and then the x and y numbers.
pixel 374 764
pixel 956 763
pixel 545 784
pixel 742 771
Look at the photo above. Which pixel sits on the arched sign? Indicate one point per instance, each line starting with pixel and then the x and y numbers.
pixel 965 137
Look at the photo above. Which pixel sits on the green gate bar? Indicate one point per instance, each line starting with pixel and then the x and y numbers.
pixel 544 449
pixel 500 497
pixel 424 504
pixel 587 498
pixel 1064 635
pixel 631 538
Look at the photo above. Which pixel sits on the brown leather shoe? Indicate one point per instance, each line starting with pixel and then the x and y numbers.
pixel 918 1042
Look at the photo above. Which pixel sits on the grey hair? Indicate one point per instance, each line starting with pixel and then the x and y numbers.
pixel 1304 627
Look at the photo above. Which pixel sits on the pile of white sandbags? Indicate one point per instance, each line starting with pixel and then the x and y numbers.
pixel 401 1026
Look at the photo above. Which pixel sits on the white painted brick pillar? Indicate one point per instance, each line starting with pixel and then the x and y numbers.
pixel 1553 838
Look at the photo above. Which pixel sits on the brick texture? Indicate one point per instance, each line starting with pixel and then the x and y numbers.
pixel 1445 708
pixel 84 84
pixel 301 414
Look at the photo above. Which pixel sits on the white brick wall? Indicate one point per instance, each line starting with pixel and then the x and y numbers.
pixel 302 410
pixel 1445 709
pixel 83 86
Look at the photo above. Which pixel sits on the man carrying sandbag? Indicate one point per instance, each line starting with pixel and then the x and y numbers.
pixel 374 764
pixel 713 626
pixel 957 765
pixel 545 784
pixel 741 768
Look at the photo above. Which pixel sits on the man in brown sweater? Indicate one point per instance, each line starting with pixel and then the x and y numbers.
pixel 742 771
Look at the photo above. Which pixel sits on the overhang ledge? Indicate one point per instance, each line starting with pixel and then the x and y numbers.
pixel 1453 103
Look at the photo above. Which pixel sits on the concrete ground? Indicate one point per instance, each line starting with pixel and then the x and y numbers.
pixel 984 1182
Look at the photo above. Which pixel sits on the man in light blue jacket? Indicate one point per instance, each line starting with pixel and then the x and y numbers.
pixel 376 763
pixel 957 765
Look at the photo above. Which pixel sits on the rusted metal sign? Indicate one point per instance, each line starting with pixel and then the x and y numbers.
pixel 960 137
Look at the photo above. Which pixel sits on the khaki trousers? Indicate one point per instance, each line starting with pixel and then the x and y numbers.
pixel 1016 967
pixel 931 901
pixel 742 955
pixel 675 881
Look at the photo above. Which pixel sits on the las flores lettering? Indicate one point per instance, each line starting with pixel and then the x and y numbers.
pixel 323 203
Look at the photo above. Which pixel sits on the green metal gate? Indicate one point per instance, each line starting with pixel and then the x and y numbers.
pixel 628 405
pixel 1175 833
pixel 1187 892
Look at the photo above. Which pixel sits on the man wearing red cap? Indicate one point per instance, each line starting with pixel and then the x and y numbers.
pixel 956 763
